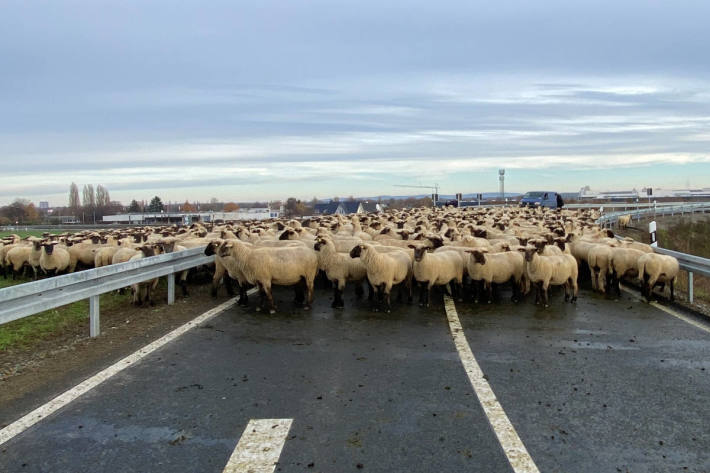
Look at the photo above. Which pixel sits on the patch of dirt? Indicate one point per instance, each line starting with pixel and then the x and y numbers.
pixel 31 376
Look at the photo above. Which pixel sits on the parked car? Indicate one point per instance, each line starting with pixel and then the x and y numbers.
pixel 549 199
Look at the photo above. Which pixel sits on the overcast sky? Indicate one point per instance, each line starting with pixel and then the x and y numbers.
pixel 269 99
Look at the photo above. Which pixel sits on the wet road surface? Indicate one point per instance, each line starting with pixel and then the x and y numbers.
pixel 601 386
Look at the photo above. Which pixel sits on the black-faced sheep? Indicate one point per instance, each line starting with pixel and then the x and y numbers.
pixel 287 266
pixel 437 269
pixel 339 268
pixel 384 270
pixel 497 268
pixel 544 271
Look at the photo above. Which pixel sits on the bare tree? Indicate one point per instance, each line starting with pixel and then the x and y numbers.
pixel 74 199
pixel 102 197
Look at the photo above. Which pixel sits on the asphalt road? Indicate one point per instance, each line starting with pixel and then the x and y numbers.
pixel 600 386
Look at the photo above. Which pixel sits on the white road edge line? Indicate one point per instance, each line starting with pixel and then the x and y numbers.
pixel 65 398
pixel 668 310
pixel 518 456
pixel 260 446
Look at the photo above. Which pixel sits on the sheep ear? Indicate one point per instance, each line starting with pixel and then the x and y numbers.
pixel 412 247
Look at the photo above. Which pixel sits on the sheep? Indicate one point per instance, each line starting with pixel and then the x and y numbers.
pixel 104 256
pixel 598 260
pixel 431 270
pixel 623 263
pixel 547 270
pixel 143 288
pixel 655 269
pixel 225 270
pixel 624 220
pixel 385 270
pixel 53 259
pixel 497 268
pixel 264 266
pixel 123 255
pixel 35 253
pixel 339 269
pixel 17 258
pixel 169 245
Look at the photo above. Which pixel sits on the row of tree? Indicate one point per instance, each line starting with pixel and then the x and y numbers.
pixel 20 211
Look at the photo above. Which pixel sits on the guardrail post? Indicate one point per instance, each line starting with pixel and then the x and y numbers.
pixel 652 233
pixel 171 288
pixel 690 287
pixel 94 322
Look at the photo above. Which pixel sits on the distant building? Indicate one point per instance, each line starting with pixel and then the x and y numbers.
pixel 346 208
pixel 43 205
pixel 258 213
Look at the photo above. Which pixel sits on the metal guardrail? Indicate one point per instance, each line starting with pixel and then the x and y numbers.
pixel 613 218
pixel 30 298
pixel 690 263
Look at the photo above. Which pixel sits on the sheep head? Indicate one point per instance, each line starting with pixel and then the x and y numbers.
pixel 529 252
pixel 479 256
pixel 49 247
pixel 319 244
pixel 356 251
pixel 212 246
pixel 419 251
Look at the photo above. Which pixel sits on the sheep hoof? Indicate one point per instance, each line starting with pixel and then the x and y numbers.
pixel 272 311
pixel 306 307
pixel 258 309
pixel 546 306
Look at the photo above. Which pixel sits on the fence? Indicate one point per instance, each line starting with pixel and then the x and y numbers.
pixel 610 219
pixel 26 299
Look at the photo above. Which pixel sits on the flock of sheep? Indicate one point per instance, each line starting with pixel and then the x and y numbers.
pixel 469 251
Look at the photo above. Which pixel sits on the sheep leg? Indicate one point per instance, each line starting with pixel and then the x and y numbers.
pixel 538 292
pixel 516 289
pixel 428 294
pixel 298 288
pixel 545 294
pixel 575 289
pixel 409 289
pixel 262 297
pixel 183 286
pixel 337 299
pixel 147 294
pixel 359 291
pixel 672 283
pixel 420 290
pixel 243 297
pixel 270 298
pixel 310 283
pixel 375 299
pixel 370 291
pixel 459 290
pixel 489 290
pixel 386 290
pixel 219 274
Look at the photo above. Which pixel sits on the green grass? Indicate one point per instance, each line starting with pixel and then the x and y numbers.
pixel 28 331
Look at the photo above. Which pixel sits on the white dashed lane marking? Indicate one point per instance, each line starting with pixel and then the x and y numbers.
pixel 65 398
pixel 260 446
pixel 515 451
